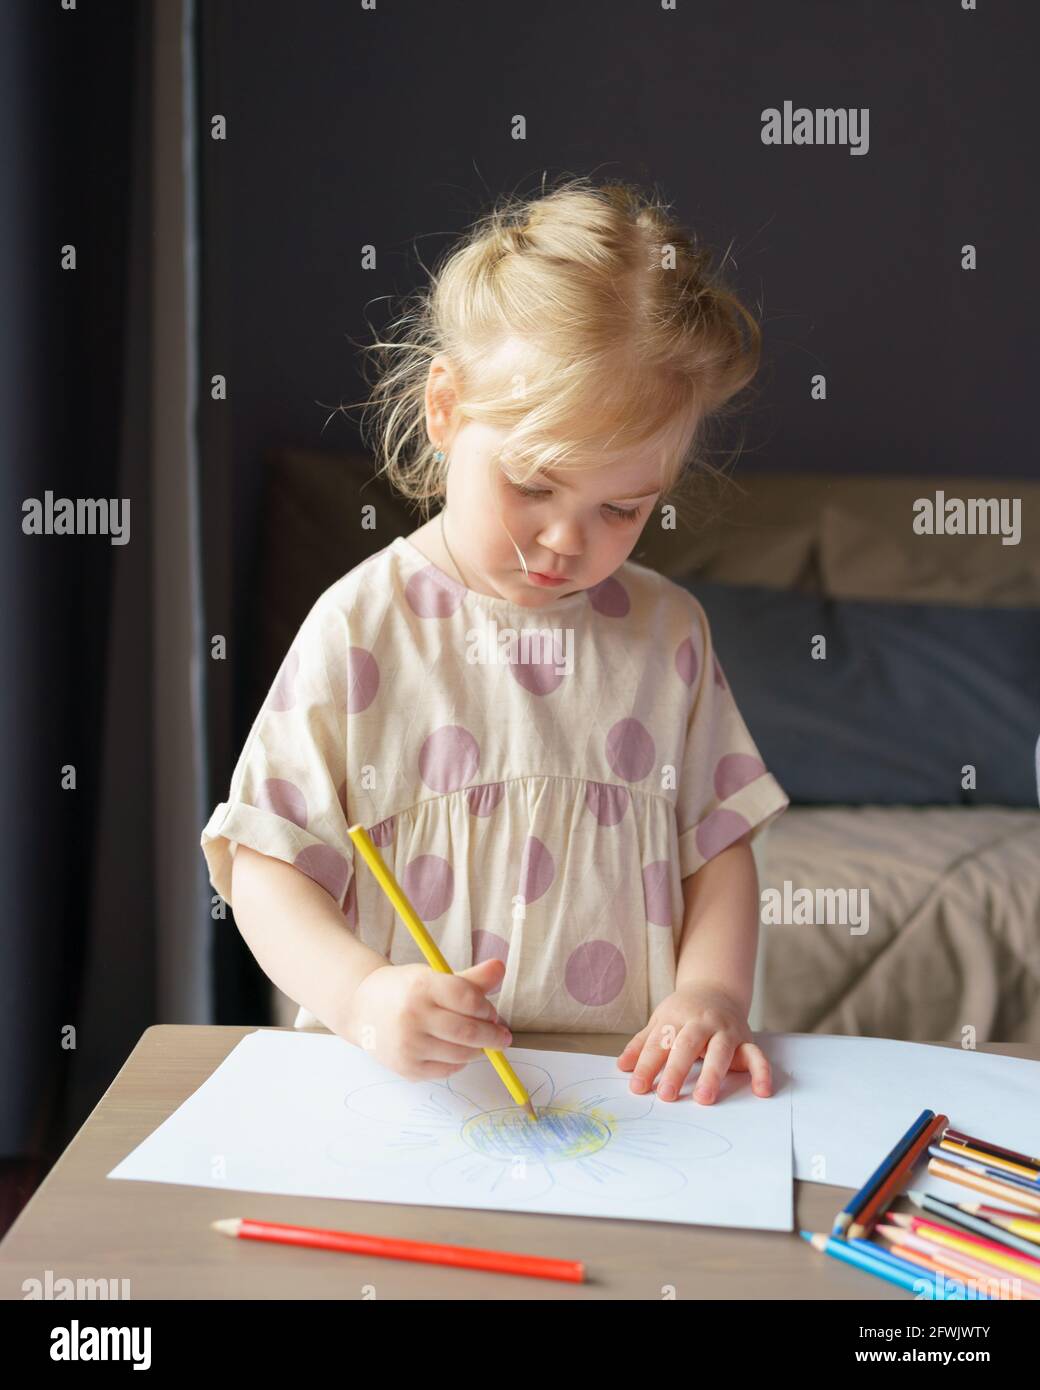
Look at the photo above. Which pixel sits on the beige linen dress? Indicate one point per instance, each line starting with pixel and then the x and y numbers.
pixel 539 782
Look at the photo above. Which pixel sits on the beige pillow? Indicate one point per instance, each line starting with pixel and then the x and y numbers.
pixel 865 557
pixel 764 532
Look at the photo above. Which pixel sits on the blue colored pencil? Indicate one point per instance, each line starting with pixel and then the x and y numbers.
pixel 847 1215
pixel 841 1250
pixel 879 1252
pixel 869 1247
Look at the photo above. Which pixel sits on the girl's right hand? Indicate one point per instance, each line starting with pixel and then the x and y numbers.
pixel 423 1024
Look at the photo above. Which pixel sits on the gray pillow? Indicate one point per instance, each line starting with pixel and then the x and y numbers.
pixel 908 695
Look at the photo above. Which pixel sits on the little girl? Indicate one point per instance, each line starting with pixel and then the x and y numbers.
pixel 534 730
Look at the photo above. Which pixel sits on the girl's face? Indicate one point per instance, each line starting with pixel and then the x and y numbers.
pixel 579 524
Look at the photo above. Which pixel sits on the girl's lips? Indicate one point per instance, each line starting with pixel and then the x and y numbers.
pixel 546 578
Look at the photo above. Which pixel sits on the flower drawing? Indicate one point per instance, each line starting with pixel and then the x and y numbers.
pixel 474 1144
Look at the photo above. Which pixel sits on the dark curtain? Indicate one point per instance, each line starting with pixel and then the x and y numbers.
pixel 241 991
pixel 75 344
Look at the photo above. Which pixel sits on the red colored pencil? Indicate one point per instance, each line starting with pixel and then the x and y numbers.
pixel 954 1266
pixel 921 1225
pixel 392 1248
pixel 991 1212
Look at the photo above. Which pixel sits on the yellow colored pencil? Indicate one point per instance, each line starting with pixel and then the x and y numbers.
pixel 975 1249
pixel 1017 1225
pixel 430 950
pixel 991 1160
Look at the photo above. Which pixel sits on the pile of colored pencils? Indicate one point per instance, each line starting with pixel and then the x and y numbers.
pixel 960 1250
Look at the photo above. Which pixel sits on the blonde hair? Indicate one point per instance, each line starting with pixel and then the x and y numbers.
pixel 583 321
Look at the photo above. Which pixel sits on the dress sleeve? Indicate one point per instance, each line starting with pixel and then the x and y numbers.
pixel 725 789
pixel 288 795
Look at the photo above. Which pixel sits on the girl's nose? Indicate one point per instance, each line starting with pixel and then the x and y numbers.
pixel 563 538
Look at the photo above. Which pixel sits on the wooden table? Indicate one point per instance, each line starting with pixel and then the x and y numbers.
pixel 78 1224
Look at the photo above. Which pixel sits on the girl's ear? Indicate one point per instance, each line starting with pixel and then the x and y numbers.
pixel 440 397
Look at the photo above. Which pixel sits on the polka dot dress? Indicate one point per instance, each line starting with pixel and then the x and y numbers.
pixel 538 781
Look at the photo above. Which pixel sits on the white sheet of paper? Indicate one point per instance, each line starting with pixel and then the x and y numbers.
pixel 313 1116
pixel 855 1097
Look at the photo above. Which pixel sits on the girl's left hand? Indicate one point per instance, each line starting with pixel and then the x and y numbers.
pixel 694 1022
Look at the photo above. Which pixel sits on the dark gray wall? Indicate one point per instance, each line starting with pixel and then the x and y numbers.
pixel 388 127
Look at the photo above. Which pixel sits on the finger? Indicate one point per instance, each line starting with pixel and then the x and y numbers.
pixel 716 1065
pixel 487 973
pixel 630 1052
pixel 655 1053
pixel 464 1030
pixel 430 1048
pixel 750 1057
pixel 684 1052
pixel 461 996
pixel 434 1071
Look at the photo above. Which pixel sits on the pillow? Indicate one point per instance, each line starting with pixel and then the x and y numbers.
pixel 862 559
pixel 907 696
pixel 777 556
pixel 764 532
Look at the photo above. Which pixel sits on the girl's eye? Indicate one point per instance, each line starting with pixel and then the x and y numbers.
pixel 620 513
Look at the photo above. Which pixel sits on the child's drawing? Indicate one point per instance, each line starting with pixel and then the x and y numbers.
pixel 592 1135
pixel 315 1116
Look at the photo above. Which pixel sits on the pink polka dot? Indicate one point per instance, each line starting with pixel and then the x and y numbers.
pixel 657 890
pixel 430 884
pixel 382 834
pixel 610 597
pixel 537 869
pixel 325 866
pixel 608 804
pixel 283 798
pixel 350 904
pixel 431 594
pixel 720 679
pixel 734 771
pixel 489 946
pixel 538 677
pixel 449 758
pixel 595 973
pixel 718 831
pixel 483 800
pixel 687 662
pixel 283 691
pixel 362 679
pixel 630 750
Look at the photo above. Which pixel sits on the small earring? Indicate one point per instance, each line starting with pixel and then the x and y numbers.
pixel 439 456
